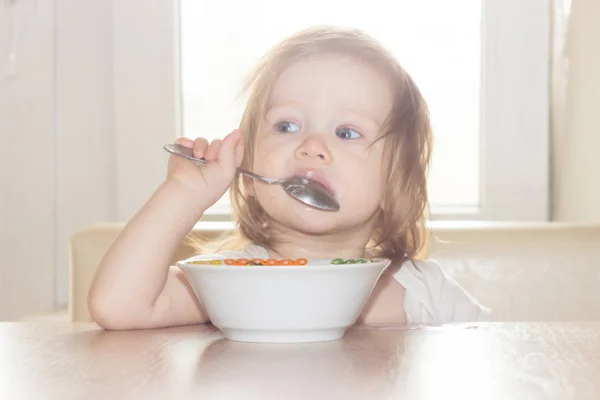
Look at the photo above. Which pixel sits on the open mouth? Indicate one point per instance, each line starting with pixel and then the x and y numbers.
pixel 316 176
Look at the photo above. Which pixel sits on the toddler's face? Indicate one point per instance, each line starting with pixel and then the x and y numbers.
pixel 323 115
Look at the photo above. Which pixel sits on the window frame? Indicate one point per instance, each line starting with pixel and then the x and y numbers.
pixel 515 77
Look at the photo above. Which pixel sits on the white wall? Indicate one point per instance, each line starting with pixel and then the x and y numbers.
pixel 27 162
pixel 84 138
pixel 80 83
pixel 576 166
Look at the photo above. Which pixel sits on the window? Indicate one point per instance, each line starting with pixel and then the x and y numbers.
pixel 473 69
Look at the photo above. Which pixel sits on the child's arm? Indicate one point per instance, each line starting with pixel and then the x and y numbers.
pixel 134 286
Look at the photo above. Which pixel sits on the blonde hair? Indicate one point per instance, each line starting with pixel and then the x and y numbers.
pixel 400 227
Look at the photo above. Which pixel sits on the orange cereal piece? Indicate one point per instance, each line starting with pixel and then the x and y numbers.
pixel 257 261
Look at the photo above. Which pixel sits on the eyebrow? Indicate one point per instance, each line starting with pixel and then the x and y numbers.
pixel 283 106
pixel 362 116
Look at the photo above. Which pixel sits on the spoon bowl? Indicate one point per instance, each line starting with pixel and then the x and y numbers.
pixel 300 188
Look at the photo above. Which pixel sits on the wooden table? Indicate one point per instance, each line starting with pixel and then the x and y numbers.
pixel 505 361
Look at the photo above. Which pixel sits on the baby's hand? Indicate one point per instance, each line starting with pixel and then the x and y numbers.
pixel 209 181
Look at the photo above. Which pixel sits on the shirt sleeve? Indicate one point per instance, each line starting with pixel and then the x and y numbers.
pixel 450 301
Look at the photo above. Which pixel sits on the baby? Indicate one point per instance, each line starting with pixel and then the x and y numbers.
pixel 327 103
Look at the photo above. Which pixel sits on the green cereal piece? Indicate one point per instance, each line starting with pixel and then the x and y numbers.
pixel 352 261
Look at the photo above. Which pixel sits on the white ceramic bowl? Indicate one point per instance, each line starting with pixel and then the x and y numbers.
pixel 317 301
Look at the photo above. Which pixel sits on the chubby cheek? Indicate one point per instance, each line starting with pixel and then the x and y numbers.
pixel 362 186
pixel 268 195
pixel 269 161
pixel 271 196
pixel 363 199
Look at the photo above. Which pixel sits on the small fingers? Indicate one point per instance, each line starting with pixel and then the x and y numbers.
pixel 200 146
pixel 227 155
pixel 185 142
pixel 213 150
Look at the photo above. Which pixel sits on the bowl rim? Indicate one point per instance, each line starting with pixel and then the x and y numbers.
pixel 377 262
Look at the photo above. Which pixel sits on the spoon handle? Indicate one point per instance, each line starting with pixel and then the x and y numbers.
pixel 184 152
pixel 188 153
pixel 259 177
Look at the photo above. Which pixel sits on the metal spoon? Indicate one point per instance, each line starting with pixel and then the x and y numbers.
pixel 305 190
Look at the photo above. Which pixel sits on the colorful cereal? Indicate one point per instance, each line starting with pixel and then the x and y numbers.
pixel 274 261
pixel 256 261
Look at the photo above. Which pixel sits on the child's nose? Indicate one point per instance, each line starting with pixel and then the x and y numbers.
pixel 313 147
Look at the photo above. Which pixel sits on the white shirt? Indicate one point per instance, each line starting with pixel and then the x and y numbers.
pixel 431 297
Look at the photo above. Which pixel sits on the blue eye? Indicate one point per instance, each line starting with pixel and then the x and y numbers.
pixel 347 133
pixel 287 127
